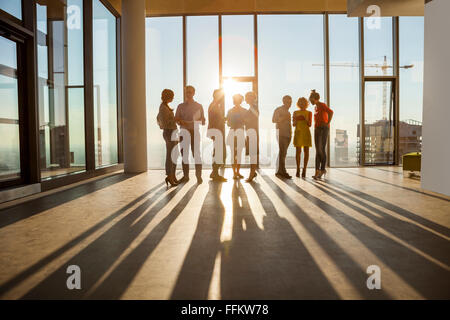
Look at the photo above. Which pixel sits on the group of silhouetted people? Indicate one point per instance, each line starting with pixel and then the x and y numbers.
pixel 243 128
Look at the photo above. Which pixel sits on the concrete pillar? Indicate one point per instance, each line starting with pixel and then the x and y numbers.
pixel 133 90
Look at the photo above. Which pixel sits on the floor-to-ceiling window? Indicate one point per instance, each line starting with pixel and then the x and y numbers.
pixel 9 112
pixel 202 65
pixel 344 89
pixel 290 59
pixel 105 85
pixel 13 7
pixel 164 69
pixel 291 62
pixel 61 87
pixel 377 137
pixel 411 48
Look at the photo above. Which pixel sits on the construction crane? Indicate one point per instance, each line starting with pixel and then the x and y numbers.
pixel 384 68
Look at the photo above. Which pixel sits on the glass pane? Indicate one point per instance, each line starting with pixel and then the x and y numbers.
pixel 238 46
pixel 378 51
pixel 164 69
pixel 203 56
pixel 60 89
pixel 291 57
pixel 411 34
pixel 344 89
pixel 13 7
pixel 379 124
pixel 105 84
pixel 9 112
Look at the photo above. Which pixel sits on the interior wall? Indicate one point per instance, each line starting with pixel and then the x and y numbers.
pixel 179 7
pixel 436 106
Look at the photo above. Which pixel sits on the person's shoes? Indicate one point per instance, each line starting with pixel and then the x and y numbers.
pixel 199 180
pixel 287 176
pixel 171 182
pixel 250 178
pixel 279 175
pixel 236 177
pixel 184 179
pixel 240 176
pixel 219 178
pixel 297 174
pixel 304 173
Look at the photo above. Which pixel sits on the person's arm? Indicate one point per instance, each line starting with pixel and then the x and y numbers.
pixel 294 119
pixel 275 117
pixel 202 115
pixel 330 114
pixel 178 117
pixel 309 118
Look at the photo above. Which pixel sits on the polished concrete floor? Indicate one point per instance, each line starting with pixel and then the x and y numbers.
pixel 272 239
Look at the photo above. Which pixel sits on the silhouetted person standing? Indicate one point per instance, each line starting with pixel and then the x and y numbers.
pixel 322 119
pixel 216 130
pixel 251 127
pixel 282 118
pixel 190 116
pixel 236 135
pixel 166 121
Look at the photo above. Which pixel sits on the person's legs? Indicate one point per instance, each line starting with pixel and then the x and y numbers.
pixel 195 148
pixel 298 155
pixel 306 157
pixel 185 145
pixel 284 144
pixel 318 149
pixel 168 165
pixel 324 138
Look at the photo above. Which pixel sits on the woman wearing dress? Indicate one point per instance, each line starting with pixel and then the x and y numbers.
pixel 166 121
pixel 301 120
pixel 236 136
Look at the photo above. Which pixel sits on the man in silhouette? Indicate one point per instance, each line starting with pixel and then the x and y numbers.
pixel 282 119
pixel 190 116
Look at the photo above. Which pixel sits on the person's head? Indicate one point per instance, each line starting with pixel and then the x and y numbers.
pixel 237 99
pixel 287 101
pixel 189 92
pixel 250 98
pixel 302 103
pixel 167 96
pixel 218 94
pixel 314 97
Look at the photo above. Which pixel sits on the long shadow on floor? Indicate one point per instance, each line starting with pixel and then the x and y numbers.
pixel 30 208
pixel 254 264
pixel 115 285
pixel 427 278
pixel 22 276
pixel 416 236
pixel 268 263
pixel 100 255
pixel 351 270
pixel 394 185
pixel 391 207
pixel 196 272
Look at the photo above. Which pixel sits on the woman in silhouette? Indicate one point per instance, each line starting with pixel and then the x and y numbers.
pixel 236 135
pixel 322 119
pixel 301 120
pixel 166 121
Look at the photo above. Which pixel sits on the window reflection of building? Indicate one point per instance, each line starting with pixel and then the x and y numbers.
pixel 341 147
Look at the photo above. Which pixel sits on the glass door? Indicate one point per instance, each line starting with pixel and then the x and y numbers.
pixel 378 137
pixel 10 130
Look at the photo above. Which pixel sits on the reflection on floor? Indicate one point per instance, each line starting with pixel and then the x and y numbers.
pixel 272 239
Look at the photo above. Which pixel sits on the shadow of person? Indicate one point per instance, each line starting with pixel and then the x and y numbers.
pixel 96 258
pixel 271 263
pixel 197 270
